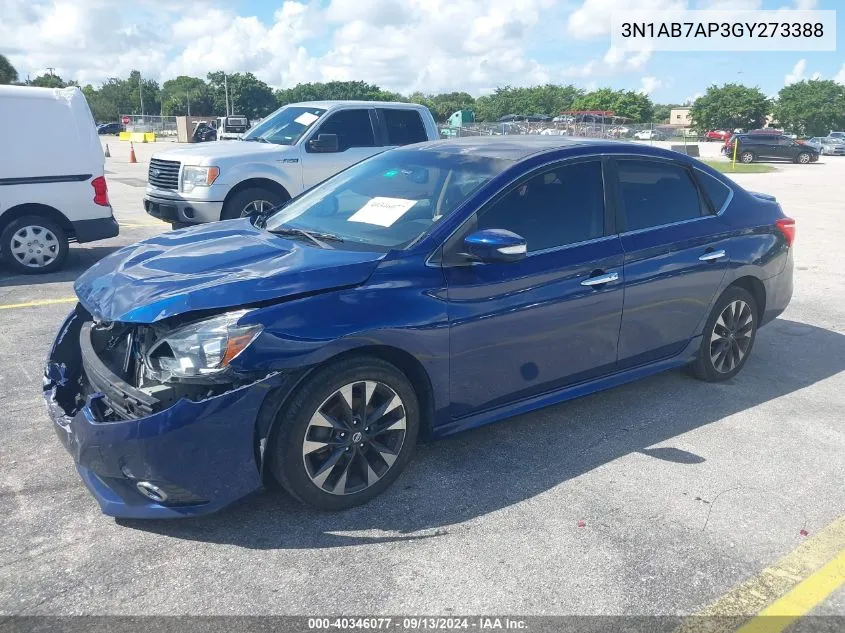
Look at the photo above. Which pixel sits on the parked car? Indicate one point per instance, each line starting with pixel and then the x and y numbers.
pixel 830 145
pixel 717 135
pixel 754 147
pixel 291 150
pixel 837 134
pixel 231 127
pixel 52 186
pixel 110 128
pixel 425 291
pixel 649 135
pixel 204 132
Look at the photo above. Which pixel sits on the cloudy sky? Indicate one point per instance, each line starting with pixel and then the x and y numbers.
pixel 403 45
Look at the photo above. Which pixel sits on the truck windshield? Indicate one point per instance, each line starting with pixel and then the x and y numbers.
pixel 285 126
pixel 387 201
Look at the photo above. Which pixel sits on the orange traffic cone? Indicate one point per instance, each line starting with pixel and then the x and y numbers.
pixel 132 158
pixel 107 153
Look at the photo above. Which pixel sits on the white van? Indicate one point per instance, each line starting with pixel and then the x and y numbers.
pixel 52 187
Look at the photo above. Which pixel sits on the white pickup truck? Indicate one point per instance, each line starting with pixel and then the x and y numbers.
pixel 290 151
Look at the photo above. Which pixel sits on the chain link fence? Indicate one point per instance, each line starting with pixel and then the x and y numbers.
pixel 635 131
pixel 164 126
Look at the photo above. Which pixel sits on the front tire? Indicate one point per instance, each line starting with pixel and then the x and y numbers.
pixel 803 158
pixel 248 201
pixel 34 245
pixel 728 337
pixel 346 435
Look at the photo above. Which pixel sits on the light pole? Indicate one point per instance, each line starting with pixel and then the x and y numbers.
pixel 226 90
pixel 141 94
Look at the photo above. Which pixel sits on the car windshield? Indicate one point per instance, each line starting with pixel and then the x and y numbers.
pixel 285 126
pixel 387 201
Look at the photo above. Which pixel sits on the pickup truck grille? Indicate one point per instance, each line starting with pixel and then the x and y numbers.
pixel 164 174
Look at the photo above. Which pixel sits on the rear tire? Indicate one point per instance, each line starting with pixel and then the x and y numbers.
pixel 34 245
pixel 239 205
pixel 746 157
pixel 334 456
pixel 728 337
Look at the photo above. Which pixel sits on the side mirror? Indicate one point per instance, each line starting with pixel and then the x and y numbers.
pixel 495 245
pixel 324 144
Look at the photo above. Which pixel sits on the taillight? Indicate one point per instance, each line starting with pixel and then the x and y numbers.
pixel 101 191
pixel 787 227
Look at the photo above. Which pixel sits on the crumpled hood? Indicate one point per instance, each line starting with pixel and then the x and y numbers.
pixel 207 153
pixel 215 265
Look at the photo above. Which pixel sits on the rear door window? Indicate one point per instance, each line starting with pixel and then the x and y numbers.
pixel 353 128
pixel 403 126
pixel 655 193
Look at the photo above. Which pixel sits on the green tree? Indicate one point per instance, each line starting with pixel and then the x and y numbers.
pixel 729 107
pixel 811 108
pixel 8 74
pixel 549 99
pixel 151 94
pixel 662 111
pixel 49 81
pixel 349 90
pixel 177 94
pixel 248 95
pixel 625 103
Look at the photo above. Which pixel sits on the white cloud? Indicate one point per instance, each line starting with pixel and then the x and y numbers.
pixel 806 4
pixel 402 45
pixel 840 76
pixel 691 99
pixel 797 73
pixel 649 84
pixel 592 18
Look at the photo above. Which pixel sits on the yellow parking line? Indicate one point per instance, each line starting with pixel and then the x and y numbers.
pixel 790 588
pixel 40 302
pixel 801 600
pixel 134 225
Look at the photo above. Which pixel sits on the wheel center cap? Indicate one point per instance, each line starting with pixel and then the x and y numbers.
pixel 357 437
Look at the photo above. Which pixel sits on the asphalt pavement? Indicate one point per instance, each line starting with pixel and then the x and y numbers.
pixel 657 497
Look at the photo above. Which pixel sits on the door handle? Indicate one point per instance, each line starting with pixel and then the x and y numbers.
pixel 709 257
pixel 601 279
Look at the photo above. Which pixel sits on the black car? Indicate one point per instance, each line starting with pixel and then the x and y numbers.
pixel 110 128
pixel 754 147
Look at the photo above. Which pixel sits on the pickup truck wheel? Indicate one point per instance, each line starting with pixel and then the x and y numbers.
pixel 33 245
pixel 249 201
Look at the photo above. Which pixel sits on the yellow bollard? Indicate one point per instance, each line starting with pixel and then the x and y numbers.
pixel 733 164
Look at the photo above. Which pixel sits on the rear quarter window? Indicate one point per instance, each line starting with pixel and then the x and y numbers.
pixel 403 127
pixel 715 190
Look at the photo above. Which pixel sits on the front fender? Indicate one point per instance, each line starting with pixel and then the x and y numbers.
pixel 285 174
pixel 408 317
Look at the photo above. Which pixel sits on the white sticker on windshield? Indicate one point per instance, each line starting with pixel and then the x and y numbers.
pixel 306 118
pixel 382 211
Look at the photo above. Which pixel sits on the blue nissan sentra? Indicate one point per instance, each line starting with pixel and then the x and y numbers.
pixel 425 291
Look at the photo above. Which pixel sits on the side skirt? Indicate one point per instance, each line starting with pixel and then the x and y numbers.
pixel 571 392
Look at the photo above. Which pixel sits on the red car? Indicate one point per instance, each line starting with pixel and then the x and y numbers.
pixel 717 135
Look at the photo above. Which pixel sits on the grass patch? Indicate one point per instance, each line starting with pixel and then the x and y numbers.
pixel 726 167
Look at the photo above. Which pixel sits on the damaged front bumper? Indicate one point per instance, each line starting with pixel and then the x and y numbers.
pixel 193 456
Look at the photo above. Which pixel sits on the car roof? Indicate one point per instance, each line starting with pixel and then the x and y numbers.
pixel 369 104
pixel 512 147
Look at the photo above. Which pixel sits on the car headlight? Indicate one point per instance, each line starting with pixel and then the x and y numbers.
pixel 193 176
pixel 203 348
